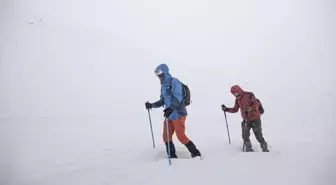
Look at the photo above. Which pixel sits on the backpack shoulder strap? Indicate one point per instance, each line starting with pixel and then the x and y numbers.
pixel 170 82
pixel 251 96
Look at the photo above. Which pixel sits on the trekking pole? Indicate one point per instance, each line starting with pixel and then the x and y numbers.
pixel 150 123
pixel 167 127
pixel 227 127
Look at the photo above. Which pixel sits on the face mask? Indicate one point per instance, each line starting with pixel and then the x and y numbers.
pixel 159 74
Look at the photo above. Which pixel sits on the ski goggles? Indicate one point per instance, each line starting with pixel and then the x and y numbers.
pixel 236 94
pixel 159 73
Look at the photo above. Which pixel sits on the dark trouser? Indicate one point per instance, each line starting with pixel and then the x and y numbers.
pixel 257 130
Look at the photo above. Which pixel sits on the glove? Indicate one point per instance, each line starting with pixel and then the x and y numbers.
pixel 224 108
pixel 148 105
pixel 167 112
pixel 247 108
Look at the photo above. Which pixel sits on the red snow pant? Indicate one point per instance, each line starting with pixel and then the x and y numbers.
pixel 177 125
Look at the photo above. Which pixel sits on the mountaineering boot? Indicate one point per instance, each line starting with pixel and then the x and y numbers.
pixel 172 150
pixel 264 147
pixel 247 148
pixel 192 149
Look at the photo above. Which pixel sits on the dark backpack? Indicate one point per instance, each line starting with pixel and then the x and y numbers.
pixel 185 93
pixel 261 108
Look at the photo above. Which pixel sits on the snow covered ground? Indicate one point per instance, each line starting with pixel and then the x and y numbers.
pixel 74 77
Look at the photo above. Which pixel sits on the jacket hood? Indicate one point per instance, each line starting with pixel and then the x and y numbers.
pixel 237 89
pixel 163 68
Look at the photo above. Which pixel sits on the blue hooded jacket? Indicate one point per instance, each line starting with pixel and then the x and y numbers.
pixel 171 96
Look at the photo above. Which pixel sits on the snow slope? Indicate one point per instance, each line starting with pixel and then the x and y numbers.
pixel 74 76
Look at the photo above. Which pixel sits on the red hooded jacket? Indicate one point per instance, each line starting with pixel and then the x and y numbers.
pixel 245 99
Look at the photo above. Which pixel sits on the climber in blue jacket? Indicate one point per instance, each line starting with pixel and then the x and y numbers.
pixel 171 98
